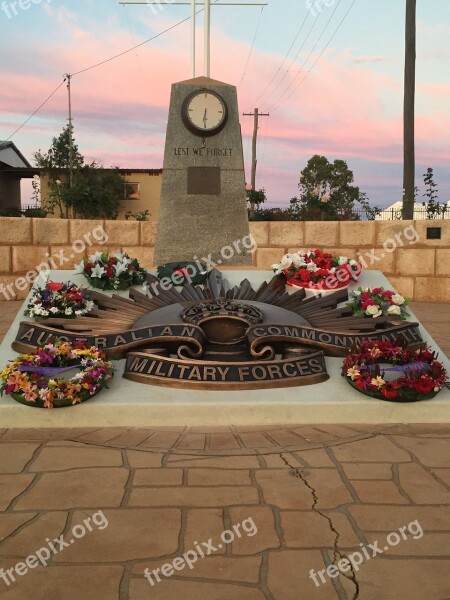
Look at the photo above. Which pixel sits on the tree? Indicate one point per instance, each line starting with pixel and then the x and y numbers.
pixel 433 208
pixel 326 190
pixel 255 198
pixel 58 155
pixel 409 159
pixel 95 192
pixel 54 161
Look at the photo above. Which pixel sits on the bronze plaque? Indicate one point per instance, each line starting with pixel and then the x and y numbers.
pixel 203 180
pixel 218 336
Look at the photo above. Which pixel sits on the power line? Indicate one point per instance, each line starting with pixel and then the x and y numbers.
pixel 293 61
pixel 150 39
pixel 319 57
pixel 286 57
pixel 37 110
pixel 286 91
pixel 98 65
pixel 103 62
pixel 132 36
pixel 251 49
pixel 245 69
pixel 280 98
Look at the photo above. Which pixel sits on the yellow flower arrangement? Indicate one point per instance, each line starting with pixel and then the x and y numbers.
pixel 30 378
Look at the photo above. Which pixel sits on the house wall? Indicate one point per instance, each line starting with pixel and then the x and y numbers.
pixel 416 266
pixel 150 191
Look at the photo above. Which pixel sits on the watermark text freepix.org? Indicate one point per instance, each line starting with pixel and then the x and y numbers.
pixel 53 547
pixel 355 559
pixel 12 8
pixel 201 550
pixel 364 260
pixel 97 236
pixel 315 7
pixel 158 6
pixel 409 234
pixel 247 245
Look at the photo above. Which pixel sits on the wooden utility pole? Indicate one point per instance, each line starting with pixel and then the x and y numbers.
pixel 409 160
pixel 69 77
pixel 255 114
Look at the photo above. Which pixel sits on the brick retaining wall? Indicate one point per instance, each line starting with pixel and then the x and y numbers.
pixel 420 270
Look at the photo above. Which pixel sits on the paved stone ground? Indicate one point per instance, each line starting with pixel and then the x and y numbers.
pixel 436 320
pixel 305 498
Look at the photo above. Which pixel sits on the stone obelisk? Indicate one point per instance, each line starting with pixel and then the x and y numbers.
pixel 203 200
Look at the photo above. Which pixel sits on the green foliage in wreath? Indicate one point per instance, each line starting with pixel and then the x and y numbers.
pixel 181 273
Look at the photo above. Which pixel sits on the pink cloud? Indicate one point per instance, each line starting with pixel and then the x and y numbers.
pixel 342 109
pixel 369 59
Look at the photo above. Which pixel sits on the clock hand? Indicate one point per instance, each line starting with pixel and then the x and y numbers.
pixel 204 117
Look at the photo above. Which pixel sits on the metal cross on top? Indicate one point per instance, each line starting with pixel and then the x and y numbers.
pixel 206 4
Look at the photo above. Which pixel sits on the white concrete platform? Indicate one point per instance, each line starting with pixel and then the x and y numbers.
pixel 135 405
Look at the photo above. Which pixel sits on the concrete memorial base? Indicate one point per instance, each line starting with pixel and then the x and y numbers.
pixel 131 404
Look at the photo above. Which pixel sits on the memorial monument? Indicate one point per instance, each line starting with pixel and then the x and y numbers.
pixel 213 335
pixel 216 335
pixel 203 200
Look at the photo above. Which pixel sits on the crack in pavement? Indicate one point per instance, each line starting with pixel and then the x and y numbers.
pixel 337 554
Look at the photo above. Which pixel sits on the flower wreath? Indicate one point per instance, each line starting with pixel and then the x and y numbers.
pixel 422 375
pixel 106 271
pixel 317 270
pixel 31 379
pixel 62 300
pixel 377 302
pixel 181 273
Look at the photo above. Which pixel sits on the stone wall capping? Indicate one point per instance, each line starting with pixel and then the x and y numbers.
pixel 15 230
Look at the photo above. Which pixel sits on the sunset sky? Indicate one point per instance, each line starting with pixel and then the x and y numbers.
pixel 348 107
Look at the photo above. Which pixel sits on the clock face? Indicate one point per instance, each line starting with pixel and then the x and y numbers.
pixel 204 113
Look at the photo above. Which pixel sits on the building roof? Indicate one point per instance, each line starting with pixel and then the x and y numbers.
pixel 122 171
pixel 31 171
pixel 394 210
pixel 5 145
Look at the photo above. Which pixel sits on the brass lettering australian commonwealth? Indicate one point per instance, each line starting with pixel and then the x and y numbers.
pixel 115 345
pixel 333 343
